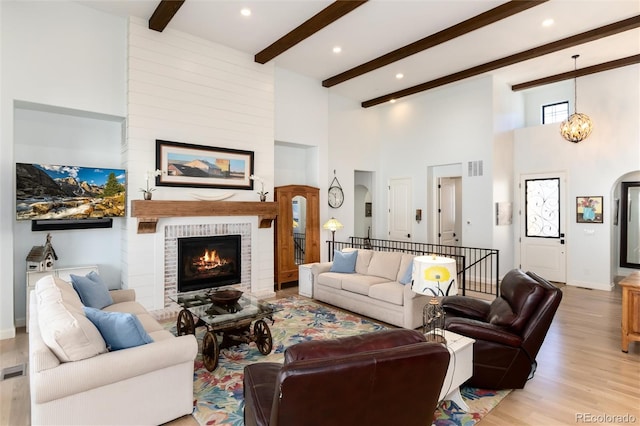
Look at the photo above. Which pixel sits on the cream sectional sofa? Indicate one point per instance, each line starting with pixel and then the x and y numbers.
pixel 373 289
pixel 75 380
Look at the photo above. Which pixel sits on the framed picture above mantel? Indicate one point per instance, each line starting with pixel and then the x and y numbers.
pixel 202 166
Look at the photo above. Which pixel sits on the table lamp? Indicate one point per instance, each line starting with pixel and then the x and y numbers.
pixel 434 276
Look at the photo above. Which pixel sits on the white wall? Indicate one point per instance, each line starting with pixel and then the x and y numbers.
pixel 536 97
pixel 593 166
pixel 295 164
pixel 444 126
pixel 185 89
pixel 302 110
pixel 508 115
pixel 354 144
pixel 82 68
pixel 302 135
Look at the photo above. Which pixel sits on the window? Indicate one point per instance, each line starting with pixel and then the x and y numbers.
pixel 555 113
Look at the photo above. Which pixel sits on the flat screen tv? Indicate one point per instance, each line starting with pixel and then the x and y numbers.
pixel 45 192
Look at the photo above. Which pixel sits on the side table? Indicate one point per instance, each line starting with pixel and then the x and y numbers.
pixel 630 310
pixel 305 280
pixel 460 368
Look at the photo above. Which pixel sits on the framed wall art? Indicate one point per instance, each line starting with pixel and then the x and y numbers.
pixel 192 165
pixel 589 209
pixel 504 213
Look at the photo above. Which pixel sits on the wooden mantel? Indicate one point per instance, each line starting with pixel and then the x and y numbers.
pixel 148 212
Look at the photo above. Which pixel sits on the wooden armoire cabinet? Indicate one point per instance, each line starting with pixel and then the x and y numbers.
pixel 297 230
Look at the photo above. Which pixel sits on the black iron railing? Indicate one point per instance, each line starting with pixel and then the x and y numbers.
pixel 477 267
pixel 299 243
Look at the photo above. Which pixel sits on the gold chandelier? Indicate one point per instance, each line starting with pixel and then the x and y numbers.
pixel 578 126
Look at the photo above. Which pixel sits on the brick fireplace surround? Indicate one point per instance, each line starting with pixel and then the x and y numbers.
pixel 173 232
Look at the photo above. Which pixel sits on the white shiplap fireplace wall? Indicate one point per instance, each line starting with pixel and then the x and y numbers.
pixel 185 89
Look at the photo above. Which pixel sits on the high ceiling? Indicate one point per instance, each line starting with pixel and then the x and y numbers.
pixel 378 27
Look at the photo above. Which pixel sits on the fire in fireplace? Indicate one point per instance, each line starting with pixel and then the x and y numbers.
pixel 208 262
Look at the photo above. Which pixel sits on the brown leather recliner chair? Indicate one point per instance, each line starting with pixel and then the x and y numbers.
pixel 380 378
pixel 508 331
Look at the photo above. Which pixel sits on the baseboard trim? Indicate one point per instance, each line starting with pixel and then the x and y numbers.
pixel 592 286
pixel 8 333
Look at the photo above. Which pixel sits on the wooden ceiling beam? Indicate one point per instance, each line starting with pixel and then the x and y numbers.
pixel 326 16
pixel 486 18
pixel 585 37
pixel 163 14
pixel 605 66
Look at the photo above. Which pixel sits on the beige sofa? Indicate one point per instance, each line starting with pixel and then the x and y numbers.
pixel 143 385
pixel 373 289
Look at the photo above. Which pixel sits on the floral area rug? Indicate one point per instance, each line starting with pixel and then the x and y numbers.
pixel 218 398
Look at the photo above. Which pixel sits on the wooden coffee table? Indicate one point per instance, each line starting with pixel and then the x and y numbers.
pixel 460 368
pixel 233 322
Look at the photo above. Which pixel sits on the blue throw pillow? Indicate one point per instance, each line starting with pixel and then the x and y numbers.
pixel 120 330
pixel 344 262
pixel 408 275
pixel 92 290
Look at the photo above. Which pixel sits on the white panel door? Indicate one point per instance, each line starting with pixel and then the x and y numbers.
pixel 400 209
pixel 449 212
pixel 542 224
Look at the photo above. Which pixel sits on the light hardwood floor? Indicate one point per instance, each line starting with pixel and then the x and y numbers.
pixel 582 373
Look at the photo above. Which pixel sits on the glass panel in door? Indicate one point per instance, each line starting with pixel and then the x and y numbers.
pixel 542 211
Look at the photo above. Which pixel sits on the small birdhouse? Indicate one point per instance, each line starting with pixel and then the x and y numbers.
pixel 42 258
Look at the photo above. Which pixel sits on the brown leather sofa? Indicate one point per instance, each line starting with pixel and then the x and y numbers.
pixel 508 331
pixel 380 378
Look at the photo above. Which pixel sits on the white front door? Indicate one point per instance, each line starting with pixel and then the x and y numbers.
pixel 542 225
pixel 400 209
pixel 449 226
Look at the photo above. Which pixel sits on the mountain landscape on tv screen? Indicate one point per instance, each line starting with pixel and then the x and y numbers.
pixel 68 192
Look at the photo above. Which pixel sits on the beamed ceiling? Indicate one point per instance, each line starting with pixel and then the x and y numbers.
pixel 431 42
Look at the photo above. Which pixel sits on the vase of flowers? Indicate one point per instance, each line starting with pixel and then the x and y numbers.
pixel 147 191
pixel 262 193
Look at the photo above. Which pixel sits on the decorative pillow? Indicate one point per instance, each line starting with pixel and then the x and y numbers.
pixel 69 296
pixel 63 327
pixel 408 275
pixel 120 330
pixel 385 264
pixel 92 290
pixel 344 262
pixel 364 257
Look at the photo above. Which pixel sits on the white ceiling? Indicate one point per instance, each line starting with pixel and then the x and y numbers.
pixel 380 26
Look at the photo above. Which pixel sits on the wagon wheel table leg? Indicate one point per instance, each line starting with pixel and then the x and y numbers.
pixel 262 336
pixel 185 323
pixel 210 350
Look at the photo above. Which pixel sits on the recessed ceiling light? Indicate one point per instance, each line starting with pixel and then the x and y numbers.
pixel 245 11
pixel 393 101
pixel 337 49
pixel 399 75
pixel 547 22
